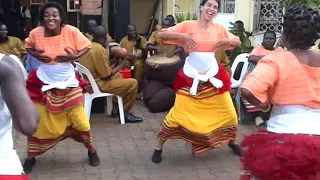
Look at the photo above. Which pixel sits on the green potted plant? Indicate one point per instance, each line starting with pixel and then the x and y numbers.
pixel 244 36
pixel 182 17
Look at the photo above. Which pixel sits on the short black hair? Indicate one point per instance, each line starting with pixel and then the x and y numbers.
pixel 2 24
pixel 270 32
pixel 53 5
pixel 203 2
pixel 301 26
pixel 132 25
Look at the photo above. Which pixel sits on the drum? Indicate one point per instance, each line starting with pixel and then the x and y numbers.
pixel 162 68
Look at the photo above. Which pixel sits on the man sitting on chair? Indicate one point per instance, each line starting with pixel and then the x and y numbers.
pixel 110 80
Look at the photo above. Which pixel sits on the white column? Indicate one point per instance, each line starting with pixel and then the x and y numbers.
pixel 244 12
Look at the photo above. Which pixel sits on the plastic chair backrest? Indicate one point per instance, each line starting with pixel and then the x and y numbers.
pixel 84 71
pixel 240 58
pixel 23 69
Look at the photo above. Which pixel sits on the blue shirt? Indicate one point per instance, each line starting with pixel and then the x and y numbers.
pixel 32 63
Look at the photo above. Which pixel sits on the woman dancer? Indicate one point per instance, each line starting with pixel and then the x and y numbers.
pixel 203 115
pixel 289 148
pixel 54 87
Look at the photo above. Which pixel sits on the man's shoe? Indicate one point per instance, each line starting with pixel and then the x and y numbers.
pixel 130 118
pixel 94 159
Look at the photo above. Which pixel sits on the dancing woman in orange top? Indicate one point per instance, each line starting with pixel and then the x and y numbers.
pixel 54 87
pixel 203 113
pixel 290 81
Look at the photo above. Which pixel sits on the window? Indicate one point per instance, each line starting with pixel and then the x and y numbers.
pixel 71 6
pixel 227 6
pixel 38 2
pixel 268 15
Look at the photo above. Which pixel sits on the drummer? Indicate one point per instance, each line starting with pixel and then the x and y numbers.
pixel 91 24
pixel 136 48
pixel 156 46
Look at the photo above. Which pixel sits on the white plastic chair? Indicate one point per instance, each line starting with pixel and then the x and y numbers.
pixel 97 93
pixel 240 58
pixel 23 69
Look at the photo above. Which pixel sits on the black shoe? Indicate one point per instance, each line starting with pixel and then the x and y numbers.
pixel 130 118
pixel 156 157
pixel 28 165
pixel 93 158
pixel 236 149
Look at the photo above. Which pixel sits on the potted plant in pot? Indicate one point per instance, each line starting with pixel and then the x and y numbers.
pixel 244 36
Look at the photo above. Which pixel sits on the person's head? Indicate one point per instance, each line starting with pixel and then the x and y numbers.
pixel 171 19
pixel 91 25
pixel 239 25
pixel 166 23
pixel 209 9
pixel 269 39
pixel 301 27
pixel 52 16
pixel 99 35
pixel 3 31
pixel 132 31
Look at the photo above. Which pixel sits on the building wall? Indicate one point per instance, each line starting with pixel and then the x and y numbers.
pixel 141 12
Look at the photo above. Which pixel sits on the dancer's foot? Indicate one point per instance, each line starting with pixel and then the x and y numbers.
pixel 258 121
pixel 28 165
pixel 156 157
pixel 236 149
pixel 93 158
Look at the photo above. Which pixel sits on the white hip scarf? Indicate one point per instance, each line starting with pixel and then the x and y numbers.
pixel 198 63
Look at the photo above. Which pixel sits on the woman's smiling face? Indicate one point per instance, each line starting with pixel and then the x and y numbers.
pixel 209 10
pixel 52 19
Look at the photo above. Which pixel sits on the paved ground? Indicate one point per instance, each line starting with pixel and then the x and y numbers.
pixel 125 152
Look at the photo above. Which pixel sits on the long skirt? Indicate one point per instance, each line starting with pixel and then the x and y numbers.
pixel 207 120
pixel 62 115
pixel 272 156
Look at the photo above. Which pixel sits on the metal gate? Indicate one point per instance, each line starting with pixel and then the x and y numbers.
pixel 271 14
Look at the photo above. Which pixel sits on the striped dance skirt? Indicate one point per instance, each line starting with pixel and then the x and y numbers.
pixel 62 115
pixel 207 120
pixel 273 156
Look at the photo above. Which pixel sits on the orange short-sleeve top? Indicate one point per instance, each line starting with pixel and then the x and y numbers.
pixel 70 38
pixel 206 39
pixel 283 80
pixel 261 51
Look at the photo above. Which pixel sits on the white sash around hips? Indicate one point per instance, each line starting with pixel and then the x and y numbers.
pixel 202 66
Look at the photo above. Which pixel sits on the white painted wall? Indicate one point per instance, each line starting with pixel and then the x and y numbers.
pixel 224 19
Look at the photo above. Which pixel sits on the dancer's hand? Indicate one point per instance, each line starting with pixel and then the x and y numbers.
pixel 221 44
pixel 39 55
pixel 67 58
pixel 189 41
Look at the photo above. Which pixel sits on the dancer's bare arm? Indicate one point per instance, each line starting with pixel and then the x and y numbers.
pixel 24 114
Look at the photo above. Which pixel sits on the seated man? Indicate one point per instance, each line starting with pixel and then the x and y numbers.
pixel 11 45
pixel 108 80
pixel 156 45
pixel 91 25
pixel 136 48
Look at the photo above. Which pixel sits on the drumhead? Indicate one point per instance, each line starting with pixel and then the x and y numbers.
pixel 160 60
